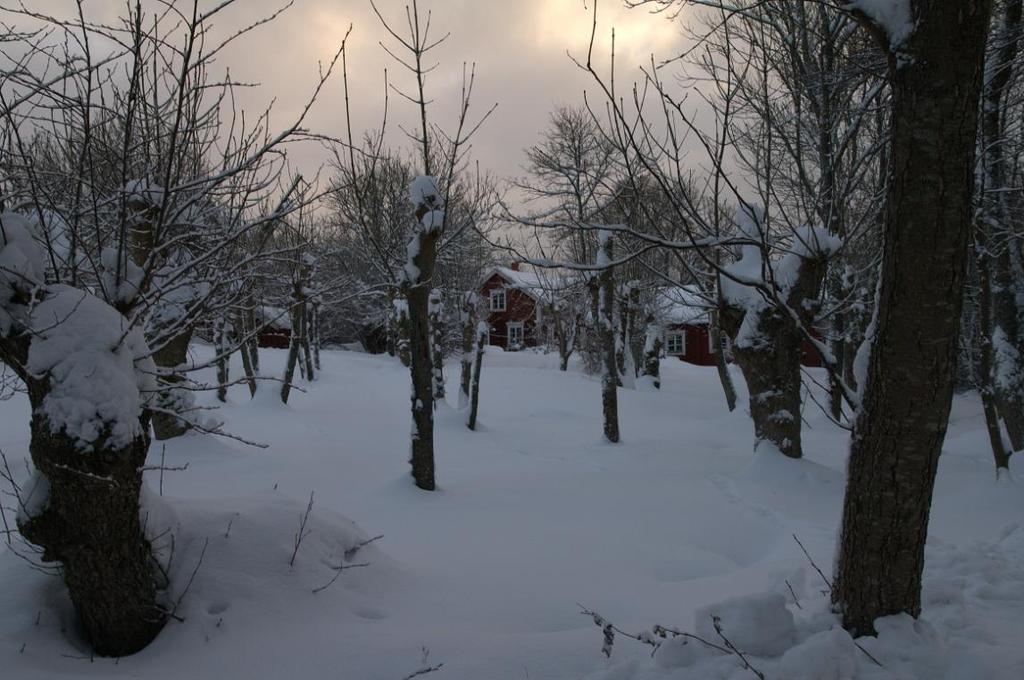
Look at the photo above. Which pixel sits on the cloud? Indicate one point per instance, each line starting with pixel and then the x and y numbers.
pixel 518 46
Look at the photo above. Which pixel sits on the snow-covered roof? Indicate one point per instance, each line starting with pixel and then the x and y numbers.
pixel 538 285
pixel 275 318
pixel 685 304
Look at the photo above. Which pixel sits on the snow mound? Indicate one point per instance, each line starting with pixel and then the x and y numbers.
pixel 241 552
pixel 828 655
pixel 757 624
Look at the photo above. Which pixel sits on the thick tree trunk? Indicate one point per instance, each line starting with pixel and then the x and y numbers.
pixel 478 362
pixel 770 358
pixel 904 412
pixel 1007 364
pixel 90 524
pixel 171 357
pixel 771 369
pixel 422 398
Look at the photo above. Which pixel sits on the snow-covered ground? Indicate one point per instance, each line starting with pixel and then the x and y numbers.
pixel 535 517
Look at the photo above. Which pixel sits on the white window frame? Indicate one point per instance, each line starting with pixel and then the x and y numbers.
pixel 669 335
pixel 517 325
pixel 504 299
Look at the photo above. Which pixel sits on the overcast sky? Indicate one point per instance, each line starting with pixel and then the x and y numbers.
pixel 519 47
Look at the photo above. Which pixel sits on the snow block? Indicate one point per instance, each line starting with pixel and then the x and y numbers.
pixel 756 624
pixel 828 655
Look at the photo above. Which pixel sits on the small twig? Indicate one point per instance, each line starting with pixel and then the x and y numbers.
pixel 658 631
pixel 230 522
pixel 792 592
pixel 338 569
pixel 188 585
pixel 426 668
pixel 808 556
pixel 301 533
pixel 717 623
pixel 351 552
pixel 868 654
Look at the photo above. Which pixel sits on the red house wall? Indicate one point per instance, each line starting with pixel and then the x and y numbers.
pixel 698 350
pixel 518 307
pixel 698 347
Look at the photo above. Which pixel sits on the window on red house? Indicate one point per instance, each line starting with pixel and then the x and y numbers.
pixel 498 300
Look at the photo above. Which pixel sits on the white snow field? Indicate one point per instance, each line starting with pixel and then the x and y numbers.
pixel 535 517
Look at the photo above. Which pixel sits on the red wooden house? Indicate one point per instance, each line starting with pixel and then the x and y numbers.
pixel 684 313
pixel 275 327
pixel 513 300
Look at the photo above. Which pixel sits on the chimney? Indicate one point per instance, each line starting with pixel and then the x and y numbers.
pixel 514 265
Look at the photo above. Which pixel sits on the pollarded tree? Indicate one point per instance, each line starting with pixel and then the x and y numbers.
pixel 88 375
pixel 767 341
pixel 430 204
pixel 115 232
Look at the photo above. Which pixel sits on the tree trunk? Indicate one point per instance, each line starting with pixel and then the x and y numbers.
pixel 253 336
pixel 315 328
pixel 652 353
pixel 606 333
pixel 904 411
pixel 1007 380
pixel 402 332
pixel 419 272
pixel 222 346
pixel 422 399
pixel 91 525
pixel 771 370
pixel 721 363
pixel 478 362
pixel 245 323
pixel 294 349
pixel 170 358
pixel 307 350
pixel 986 388
pixel 436 314
pixel 770 359
pixel 468 315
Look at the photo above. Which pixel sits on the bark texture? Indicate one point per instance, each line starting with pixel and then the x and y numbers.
pixel 606 335
pixel 169 357
pixel 478 362
pixel 904 411
pixel 770 362
pixel 91 526
pixel 421 366
pixel 467 315
pixel 1002 371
